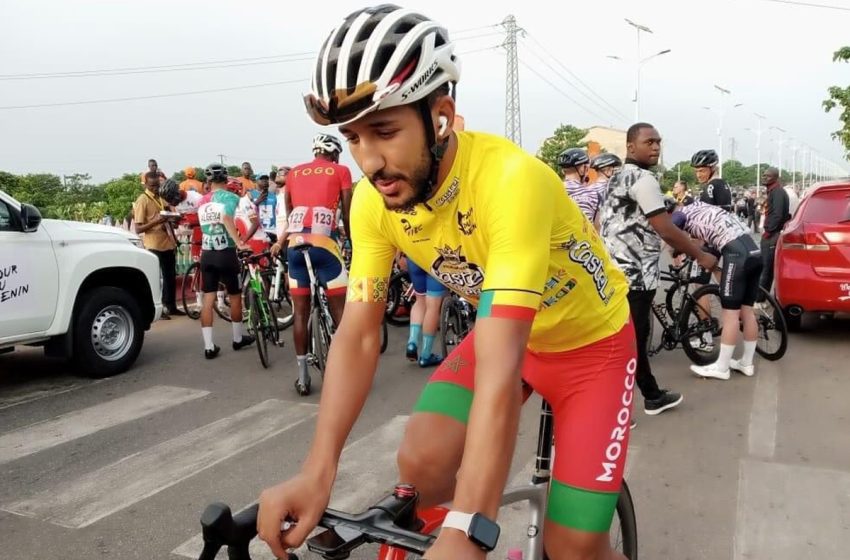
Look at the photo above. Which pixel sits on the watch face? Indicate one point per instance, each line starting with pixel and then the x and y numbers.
pixel 484 532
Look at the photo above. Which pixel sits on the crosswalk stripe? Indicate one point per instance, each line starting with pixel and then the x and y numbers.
pixel 47 390
pixel 367 470
pixel 141 475
pixel 73 425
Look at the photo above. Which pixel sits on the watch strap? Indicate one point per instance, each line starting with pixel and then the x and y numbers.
pixel 458 520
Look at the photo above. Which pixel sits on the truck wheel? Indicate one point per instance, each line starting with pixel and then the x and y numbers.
pixel 108 332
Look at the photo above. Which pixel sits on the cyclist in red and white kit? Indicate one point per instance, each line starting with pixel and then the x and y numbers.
pixel 314 191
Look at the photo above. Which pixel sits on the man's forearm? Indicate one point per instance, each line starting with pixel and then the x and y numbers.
pixel 349 373
pixel 681 243
pixel 142 228
pixel 493 423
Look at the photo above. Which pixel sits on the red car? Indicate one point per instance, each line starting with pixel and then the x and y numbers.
pixel 813 254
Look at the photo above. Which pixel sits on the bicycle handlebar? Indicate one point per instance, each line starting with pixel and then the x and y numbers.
pixel 250 256
pixel 391 521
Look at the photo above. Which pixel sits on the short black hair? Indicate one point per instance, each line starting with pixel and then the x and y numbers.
pixel 635 129
pixel 263 176
pixel 152 160
pixel 272 175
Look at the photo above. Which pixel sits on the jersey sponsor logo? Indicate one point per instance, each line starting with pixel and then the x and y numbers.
pixel 451 268
pixel 410 229
pixel 465 222
pixel 405 211
pixel 581 253
pixel 451 193
pixel 420 80
pixel 210 213
pixel 615 445
pixel 552 283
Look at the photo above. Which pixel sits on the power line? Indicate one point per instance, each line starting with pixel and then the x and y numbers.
pixel 134 68
pixel 611 107
pixel 562 92
pixel 208 65
pixel 156 96
pixel 156 71
pixel 809 5
pixel 616 114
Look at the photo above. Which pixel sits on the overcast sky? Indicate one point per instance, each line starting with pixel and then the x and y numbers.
pixel 775 58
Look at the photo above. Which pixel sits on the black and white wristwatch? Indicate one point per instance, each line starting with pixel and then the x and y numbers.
pixel 477 527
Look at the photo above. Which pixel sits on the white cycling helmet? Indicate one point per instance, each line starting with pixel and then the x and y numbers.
pixel 379 57
pixel 327 143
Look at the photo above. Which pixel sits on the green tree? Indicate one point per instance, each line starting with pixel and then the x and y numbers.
pixel 839 97
pixel 565 136
pixel 672 174
pixel 120 195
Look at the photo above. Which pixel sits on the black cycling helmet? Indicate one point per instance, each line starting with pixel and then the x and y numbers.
pixel 572 157
pixel 169 190
pixel 704 158
pixel 216 173
pixel 602 161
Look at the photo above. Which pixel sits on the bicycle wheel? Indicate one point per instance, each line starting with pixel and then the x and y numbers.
pixel 272 330
pixel 700 325
pixel 449 325
pixel 385 336
pixel 191 294
pixel 317 347
pixel 222 304
pixel 282 305
pixel 398 285
pixel 624 528
pixel 772 342
pixel 255 327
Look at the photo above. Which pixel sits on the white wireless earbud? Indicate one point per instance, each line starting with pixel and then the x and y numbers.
pixel 444 122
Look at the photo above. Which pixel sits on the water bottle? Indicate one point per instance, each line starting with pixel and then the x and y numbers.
pixel 514 554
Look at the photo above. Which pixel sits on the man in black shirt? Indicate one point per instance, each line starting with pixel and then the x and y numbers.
pixel 715 191
pixel 774 220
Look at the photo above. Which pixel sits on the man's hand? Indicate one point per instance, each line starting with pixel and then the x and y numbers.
pixel 302 499
pixel 275 249
pixel 242 246
pixel 707 261
pixel 454 545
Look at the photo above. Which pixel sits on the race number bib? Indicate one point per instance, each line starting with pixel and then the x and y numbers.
pixel 216 242
pixel 296 219
pixel 323 221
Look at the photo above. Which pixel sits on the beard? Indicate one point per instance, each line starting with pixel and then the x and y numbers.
pixel 419 180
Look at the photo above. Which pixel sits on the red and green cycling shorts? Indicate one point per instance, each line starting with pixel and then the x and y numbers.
pixel 590 390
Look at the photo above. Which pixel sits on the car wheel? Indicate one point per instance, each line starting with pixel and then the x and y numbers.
pixel 108 332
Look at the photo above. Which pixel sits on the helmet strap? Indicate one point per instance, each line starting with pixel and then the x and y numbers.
pixel 436 149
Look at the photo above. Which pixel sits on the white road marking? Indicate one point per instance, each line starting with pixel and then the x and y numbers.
pixel 80 423
pixel 112 488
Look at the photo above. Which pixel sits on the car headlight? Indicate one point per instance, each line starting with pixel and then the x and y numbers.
pixel 137 241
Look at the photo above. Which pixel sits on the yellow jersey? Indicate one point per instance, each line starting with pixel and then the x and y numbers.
pixel 501 232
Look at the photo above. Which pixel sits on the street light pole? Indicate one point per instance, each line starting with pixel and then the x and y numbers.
pixel 758 152
pixel 638 29
pixel 780 142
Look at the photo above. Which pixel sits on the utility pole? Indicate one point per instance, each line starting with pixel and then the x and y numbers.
pixel 221 158
pixel 513 119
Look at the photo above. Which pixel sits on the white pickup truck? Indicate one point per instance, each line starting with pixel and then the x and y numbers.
pixel 83 291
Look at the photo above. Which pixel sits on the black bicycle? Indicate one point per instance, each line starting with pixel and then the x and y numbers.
pixel 457 317
pixel 400 528
pixel 400 294
pixel 694 319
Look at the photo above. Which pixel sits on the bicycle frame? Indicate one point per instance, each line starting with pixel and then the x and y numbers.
pixel 536 494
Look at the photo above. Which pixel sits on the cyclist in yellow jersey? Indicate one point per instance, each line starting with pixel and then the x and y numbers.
pixel 491 222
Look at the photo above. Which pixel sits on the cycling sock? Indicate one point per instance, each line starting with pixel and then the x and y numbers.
pixel 302 368
pixel 415 331
pixel 237 331
pixel 427 345
pixel 208 338
pixel 725 356
pixel 749 352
